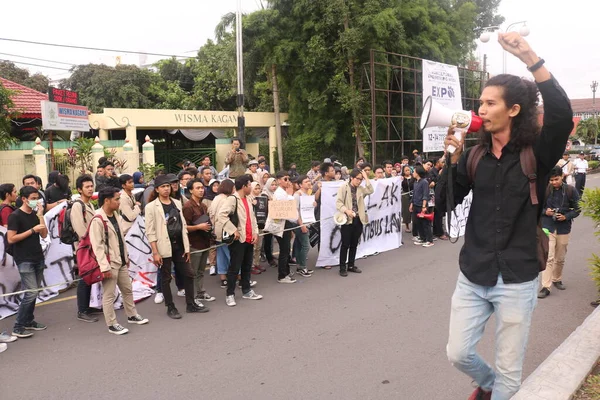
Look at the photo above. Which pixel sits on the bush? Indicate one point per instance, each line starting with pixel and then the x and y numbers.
pixel 593 164
pixel 590 204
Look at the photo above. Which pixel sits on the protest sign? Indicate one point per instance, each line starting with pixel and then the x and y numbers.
pixel 283 209
pixel 307 209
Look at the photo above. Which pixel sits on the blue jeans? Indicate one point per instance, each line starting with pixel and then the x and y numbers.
pixel 301 247
pixel 223 259
pixel 31 273
pixel 472 306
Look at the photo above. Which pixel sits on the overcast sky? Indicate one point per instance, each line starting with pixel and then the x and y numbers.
pixel 562 33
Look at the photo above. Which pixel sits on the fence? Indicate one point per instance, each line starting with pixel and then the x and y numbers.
pixel 12 170
pixel 172 158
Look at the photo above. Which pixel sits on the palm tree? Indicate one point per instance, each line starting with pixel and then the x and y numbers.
pixel 587 130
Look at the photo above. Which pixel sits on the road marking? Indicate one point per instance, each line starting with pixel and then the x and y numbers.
pixel 45 303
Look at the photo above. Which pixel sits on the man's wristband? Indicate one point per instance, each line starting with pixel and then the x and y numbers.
pixel 32 231
pixel 537 65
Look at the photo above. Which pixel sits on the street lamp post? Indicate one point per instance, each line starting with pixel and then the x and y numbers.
pixel 594 86
pixel 240 75
pixel 486 36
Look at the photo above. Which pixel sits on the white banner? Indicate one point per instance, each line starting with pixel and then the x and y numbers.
pixel 64 117
pixel 459 217
pixel 382 233
pixel 307 209
pixel 441 82
pixel 59 264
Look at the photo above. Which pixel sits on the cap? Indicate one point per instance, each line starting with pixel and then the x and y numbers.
pixel 581 153
pixel 327 160
pixel 172 178
pixel 253 162
pixel 161 180
pixel 415 151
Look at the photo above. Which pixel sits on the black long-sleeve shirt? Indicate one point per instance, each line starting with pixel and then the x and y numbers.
pixel 420 192
pixel 500 235
pixel 566 199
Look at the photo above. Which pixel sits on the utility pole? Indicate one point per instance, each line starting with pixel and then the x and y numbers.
pixel 594 86
pixel 240 75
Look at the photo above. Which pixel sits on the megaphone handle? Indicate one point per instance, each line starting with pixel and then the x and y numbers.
pixel 458 136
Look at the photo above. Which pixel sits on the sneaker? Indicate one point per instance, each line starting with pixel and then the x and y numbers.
pixel 35 326
pixel 263 258
pixel 92 310
pixel 223 284
pixel 85 317
pixel 230 300
pixel 273 264
pixel 205 297
pixel 356 270
pixel 304 272
pixel 137 319
pixel 261 268
pixel 419 243
pixel 3 347
pixel 287 279
pixel 6 338
pixel 255 270
pixel 545 292
pixel 21 333
pixel 435 238
pixel 181 293
pixel 251 295
pixel 559 285
pixel 292 261
pixel 117 329
pixel 415 239
pixel 195 308
pixel 213 270
pixel 343 272
pixel 159 298
pixel 480 394
pixel 252 284
pixel 173 313
pixel 428 244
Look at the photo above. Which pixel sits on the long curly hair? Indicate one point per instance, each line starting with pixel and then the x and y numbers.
pixel 525 126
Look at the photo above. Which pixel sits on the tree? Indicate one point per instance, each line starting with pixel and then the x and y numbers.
pixel 10 71
pixel 6 115
pixel 123 86
pixel 587 130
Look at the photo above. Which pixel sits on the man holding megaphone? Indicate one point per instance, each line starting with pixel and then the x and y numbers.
pixel 499 262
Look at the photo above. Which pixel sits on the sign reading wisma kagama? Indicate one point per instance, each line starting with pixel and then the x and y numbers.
pixel 64 117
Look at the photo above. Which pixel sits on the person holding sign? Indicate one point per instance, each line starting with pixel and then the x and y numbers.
pixel 302 236
pixel 283 180
pixel 350 200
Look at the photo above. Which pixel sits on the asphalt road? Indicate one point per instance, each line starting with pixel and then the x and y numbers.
pixel 378 335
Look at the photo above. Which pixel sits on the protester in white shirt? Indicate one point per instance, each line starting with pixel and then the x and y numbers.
pixel 283 180
pixel 581 168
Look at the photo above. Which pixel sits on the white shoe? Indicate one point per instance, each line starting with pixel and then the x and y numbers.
pixel 213 270
pixel 5 337
pixel 252 296
pixel 159 298
pixel 230 300
pixel 181 293
pixel 206 297
pixel 3 347
pixel 287 279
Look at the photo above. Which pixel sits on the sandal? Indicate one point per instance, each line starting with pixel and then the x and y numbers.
pixel 327 267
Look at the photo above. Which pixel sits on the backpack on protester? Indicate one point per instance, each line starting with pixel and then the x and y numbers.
pixel 66 232
pixel 89 269
pixel 528 166
pixel 8 248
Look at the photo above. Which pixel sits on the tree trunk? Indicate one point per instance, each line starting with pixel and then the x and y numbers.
pixel 277 116
pixel 355 112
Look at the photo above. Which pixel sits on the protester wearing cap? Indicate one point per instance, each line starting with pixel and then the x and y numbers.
pixel 581 168
pixel 253 170
pixel 417 158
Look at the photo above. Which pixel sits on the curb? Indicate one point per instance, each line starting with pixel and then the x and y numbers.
pixel 564 371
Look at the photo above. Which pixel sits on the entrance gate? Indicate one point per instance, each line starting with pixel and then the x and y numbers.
pixel 172 159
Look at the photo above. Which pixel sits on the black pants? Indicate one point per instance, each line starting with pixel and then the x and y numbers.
pixel 184 269
pixel 268 247
pixel 84 294
pixel 438 223
pixel 580 183
pixel 423 225
pixel 350 237
pixel 284 252
pixel 242 255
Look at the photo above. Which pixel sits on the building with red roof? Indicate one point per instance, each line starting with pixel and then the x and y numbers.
pixel 26 107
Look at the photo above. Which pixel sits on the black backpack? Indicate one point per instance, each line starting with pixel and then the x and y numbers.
pixel 66 233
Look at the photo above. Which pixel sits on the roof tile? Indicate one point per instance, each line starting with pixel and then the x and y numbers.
pixel 26 100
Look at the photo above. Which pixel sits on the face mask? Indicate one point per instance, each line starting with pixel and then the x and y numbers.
pixel 32 203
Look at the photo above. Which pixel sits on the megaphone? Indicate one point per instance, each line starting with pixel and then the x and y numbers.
pixel 435 114
pixel 428 217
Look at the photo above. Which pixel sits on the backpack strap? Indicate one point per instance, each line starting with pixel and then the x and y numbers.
pixel 528 165
pixel 82 209
pixel 475 155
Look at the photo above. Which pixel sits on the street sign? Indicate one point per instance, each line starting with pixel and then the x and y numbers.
pixel 64 117
pixel 63 96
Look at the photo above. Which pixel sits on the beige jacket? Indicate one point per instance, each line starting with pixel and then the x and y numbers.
pixel 79 224
pixel 98 239
pixel 225 224
pixel 343 201
pixel 156 227
pixel 129 210
pixel 213 208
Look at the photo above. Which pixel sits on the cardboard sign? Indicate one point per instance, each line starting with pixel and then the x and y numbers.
pixel 283 209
